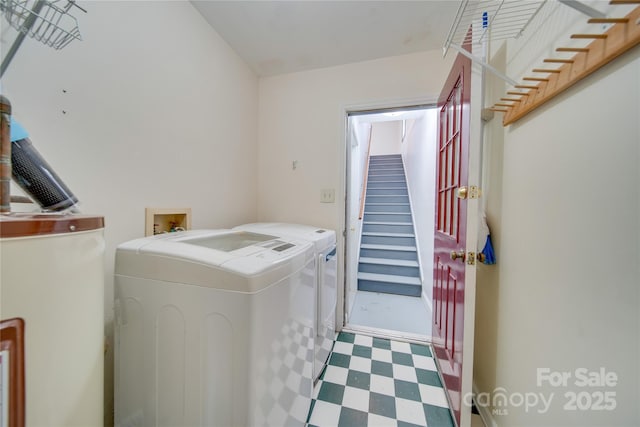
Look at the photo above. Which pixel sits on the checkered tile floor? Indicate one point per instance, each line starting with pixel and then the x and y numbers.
pixel 378 382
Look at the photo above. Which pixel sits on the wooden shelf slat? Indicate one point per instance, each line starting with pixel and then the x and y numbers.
pixel 558 61
pixel 535 79
pixel 608 21
pixel 619 39
pixel 544 70
pixel 572 49
pixel 588 36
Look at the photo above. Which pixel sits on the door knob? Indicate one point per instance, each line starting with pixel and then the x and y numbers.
pixel 462 192
pixel 457 255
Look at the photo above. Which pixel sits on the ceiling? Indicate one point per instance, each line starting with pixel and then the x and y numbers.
pixel 277 37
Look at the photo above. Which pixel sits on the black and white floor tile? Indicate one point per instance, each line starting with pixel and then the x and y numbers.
pixel 377 382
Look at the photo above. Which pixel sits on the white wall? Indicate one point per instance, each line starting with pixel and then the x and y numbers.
pixel 565 213
pixel 302 117
pixel 386 138
pixel 159 112
pixel 419 154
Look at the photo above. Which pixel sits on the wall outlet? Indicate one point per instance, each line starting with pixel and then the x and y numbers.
pixel 327 195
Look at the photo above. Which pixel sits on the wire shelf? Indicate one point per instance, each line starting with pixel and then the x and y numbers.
pixel 493 19
pixel 42 20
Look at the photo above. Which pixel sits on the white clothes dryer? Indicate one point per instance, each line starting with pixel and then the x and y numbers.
pixel 324 241
pixel 215 328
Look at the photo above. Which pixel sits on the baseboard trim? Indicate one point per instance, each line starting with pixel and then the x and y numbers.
pixel 426 301
pixel 487 419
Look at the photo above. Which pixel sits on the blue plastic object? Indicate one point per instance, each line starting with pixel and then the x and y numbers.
pixel 17 131
pixel 489 254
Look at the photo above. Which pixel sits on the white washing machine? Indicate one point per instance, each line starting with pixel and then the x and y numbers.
pixel 214 328
pixel 324 241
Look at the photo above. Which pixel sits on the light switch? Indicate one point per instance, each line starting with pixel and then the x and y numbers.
pixel 327 195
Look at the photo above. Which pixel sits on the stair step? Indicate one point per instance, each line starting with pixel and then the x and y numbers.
pixel 388 261
pixel 387 191
pixel 387 207
pixel 399 285
pixel 376 250
pixel 388 247
pixel 387 278
pixel 380 189
pixel 387 174
pixel 387 198
pixel 387 227
pixel 387 216
pixel 392 239
pixel 386 178
pixel 386 223
pixel 390 288
pixel 387 184
pixel 376 203
pixel 383 234
pixel 395 267
pixel 379 170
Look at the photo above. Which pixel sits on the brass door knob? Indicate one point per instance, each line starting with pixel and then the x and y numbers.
pixel 457 255
pixel 462 192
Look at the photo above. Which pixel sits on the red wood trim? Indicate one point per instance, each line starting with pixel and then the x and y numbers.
pixel 22 225
pixel 12 341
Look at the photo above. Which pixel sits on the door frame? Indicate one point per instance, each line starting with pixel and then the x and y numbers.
pixel 475 170
pixel 345 110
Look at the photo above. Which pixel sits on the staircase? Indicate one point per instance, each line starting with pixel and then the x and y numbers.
pixel 388 257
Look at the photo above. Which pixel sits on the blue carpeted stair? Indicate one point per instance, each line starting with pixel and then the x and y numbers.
pixel 388 256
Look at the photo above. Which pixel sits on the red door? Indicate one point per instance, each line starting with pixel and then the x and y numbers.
pixel 450 228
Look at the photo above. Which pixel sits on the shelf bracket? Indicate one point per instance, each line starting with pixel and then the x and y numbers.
pixel 484 64
pixel 583 8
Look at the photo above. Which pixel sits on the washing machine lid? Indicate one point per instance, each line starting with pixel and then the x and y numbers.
pixel 322 238
pixel 227 259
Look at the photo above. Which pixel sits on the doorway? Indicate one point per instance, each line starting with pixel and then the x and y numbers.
pixel 408 133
